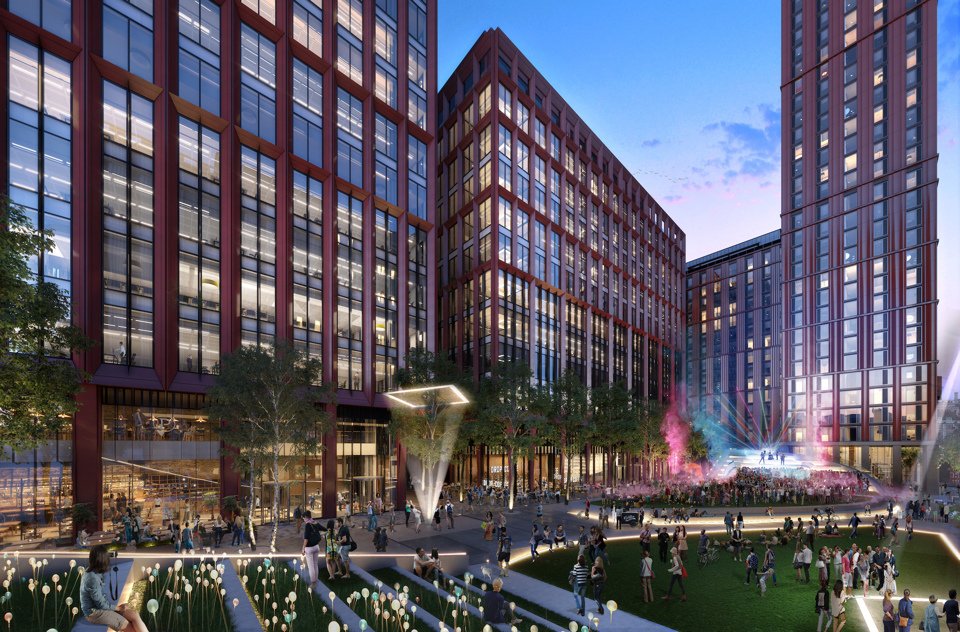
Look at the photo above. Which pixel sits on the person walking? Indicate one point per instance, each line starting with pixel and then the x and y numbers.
pixel 736 541
pixel 931 620
pixel 837 609
pixel 598 577
pixel 951 611
pixel 752 564
pixel 93 599
pixel 769 563
pixel 582 541
pixel 728 523
pixel 218 529
pixel 806 558
pixel 646 576
pixel 854 522
pixel 449 509
pixel 822 608
pixel 677 572
pixel 740 520
pixel 298 517
pixel 407 510
pixel 889 614
pixel 905 612
pixel 504 548
pixel 890 578
pixel 578 578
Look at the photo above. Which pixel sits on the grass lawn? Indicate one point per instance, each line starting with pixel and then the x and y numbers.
pixel 312 610
pixel 718 597
pixel 32 610
pixel 431 601
pixel 200 608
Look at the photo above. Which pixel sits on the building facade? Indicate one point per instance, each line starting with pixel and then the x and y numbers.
pixel 219 173
pixel 859 229
pixel 734 362
pixel 551 253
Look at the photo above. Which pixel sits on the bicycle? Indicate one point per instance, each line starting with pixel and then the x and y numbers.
pixel 710 555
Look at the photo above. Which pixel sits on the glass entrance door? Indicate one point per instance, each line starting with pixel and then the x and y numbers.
pixel 365 489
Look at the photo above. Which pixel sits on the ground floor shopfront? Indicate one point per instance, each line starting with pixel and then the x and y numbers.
pixel 546 468
pixel 160 453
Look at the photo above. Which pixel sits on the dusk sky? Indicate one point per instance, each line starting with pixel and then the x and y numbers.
pixel 687 95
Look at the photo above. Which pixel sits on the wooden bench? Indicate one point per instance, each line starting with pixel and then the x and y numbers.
pixel 25 545
pixel 101 537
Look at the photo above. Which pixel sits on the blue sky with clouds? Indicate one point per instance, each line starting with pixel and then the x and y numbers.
pixel 687 95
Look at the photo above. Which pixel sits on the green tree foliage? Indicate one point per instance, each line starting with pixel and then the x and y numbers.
pixel 430 432
pixel 615 420
pixel 506 416
pixel 40 383
pixel 563 410
pixel 648 439
pixel 697 448
pixel 948 445
pixel 271 412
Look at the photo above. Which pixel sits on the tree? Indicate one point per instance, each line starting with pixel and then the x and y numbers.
pixel 506 415
pixel 948 445
pixel 697 449
pixel 563 409
pixel 614 420
pixel 648 439
pixel 271 411
pixel 40 382
pixel 430 431
pixel 909 456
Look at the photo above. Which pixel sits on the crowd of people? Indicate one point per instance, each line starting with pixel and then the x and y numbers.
pixel 752 486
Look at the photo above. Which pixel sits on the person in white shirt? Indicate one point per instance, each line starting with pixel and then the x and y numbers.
pixel 806 558
pixel 646 576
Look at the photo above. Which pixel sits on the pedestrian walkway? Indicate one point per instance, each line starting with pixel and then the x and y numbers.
pixel 539 592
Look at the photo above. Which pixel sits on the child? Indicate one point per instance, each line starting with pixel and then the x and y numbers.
pixel 762 584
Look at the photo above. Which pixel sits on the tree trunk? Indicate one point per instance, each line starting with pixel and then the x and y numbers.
pixel 253 504
pixel 513 479
pixel 276 501
pixel 569 465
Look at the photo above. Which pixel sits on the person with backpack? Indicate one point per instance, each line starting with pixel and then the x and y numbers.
pixel 449 509
pixel 822 608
